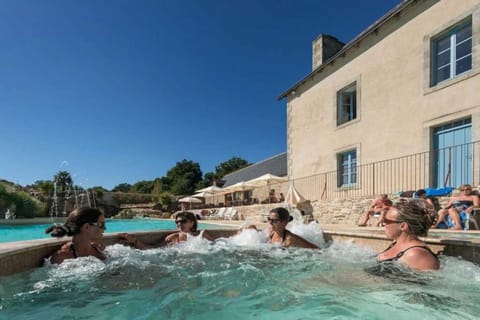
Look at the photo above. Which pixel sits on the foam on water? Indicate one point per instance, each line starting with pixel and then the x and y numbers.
pixel 241 277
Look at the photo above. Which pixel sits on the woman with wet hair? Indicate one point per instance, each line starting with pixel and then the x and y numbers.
pixel 187 225
pixel 278 218
pixel 404 224
pixel 86 227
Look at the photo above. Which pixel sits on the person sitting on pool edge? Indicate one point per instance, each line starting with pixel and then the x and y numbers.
pixel 377 209
pixel 186 224
pixel 278 218
pixel 454 215
pixel 86 226
pixel 404 223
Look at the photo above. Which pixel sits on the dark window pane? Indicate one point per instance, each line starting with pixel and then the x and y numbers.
pixel 464 48
pixel 464 64
pixel 443 59
pixel 464 33
pixel 443 43
pixel 443 74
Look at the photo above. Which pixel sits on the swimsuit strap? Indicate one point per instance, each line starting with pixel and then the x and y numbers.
pixel 389 247
pixel 284 236
pixel 72 247
pixel 401 253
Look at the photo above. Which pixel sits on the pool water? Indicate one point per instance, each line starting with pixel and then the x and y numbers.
pixel 238 279
pixel 37 231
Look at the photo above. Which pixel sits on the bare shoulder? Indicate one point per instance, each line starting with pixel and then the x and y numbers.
pixel 421 259
pixel 65 252
pixel 173 237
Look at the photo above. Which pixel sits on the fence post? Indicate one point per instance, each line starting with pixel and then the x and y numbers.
pixel 373 179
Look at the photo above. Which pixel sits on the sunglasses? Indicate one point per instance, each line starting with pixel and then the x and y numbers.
pixel 466 189
pixel 388 221
pixel 272 220
pixel 181 221
pixel 100 225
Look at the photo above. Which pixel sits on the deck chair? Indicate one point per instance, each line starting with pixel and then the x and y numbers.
pixel 474 220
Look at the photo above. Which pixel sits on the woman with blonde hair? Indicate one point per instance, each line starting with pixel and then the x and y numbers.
pixel 404 224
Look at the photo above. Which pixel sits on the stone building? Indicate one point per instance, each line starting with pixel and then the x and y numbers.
pixel 406 86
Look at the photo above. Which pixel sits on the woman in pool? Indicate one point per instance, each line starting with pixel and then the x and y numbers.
pixel 186 224
pixel 404 223
pixel 86 226
pixel 278 219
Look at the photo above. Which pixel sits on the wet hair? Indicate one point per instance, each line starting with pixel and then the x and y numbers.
pixel 420 192
pixel 282 213
pixel 189 216
pixel 417 218
pixel 387 202
pixel 76 219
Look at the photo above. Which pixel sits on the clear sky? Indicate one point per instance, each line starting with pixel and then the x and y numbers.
pixel 119 91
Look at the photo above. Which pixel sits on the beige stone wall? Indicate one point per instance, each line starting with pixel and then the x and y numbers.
pixel 395 111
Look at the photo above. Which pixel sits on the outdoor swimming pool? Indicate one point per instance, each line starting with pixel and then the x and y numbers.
pixel 10 233
pixel 229 279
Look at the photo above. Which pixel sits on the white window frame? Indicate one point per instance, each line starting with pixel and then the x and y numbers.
pixel 347 168
pixel 352 113
pixel 453 59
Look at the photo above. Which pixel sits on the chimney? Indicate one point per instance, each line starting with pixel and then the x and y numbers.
pixel 323 48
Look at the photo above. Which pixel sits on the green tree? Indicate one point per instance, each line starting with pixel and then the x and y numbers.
pixel 207 181
pixel 230 166
pixel 44 187
pixel 122 187
pixel 183 177
pixel 142 187
pixel 64 182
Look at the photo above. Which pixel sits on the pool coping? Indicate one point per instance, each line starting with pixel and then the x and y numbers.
pixel 21 256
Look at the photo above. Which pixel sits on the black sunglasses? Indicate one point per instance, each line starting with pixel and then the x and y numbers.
pixel 272 220
pixel 101 225
pixel 388 221
pixel 181 221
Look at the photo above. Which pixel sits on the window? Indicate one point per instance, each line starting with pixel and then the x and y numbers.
pixel 347 104
pixel 452 53
pixel 347 168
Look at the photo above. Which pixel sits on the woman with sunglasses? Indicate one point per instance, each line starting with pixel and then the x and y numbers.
pixel 454 215
pixel 187 225
pixel 404 223
pixel 278 219
pixel 86 227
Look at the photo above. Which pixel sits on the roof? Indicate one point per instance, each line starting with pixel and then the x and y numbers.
pixel 276 165
pixel 371 29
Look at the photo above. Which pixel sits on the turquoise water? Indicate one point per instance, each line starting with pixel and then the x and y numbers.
pixel 37 231
pixel 231 280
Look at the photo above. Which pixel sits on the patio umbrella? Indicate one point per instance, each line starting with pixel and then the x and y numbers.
pixel 239 186
pixel 293 197
pixel 266 180
pixel 190 200
pixel 212 190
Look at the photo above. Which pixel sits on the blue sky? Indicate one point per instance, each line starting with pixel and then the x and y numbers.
pixel 119 91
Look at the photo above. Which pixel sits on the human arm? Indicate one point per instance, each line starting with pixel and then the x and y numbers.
pixel 207 236
pixel 292 240
pixel 133 241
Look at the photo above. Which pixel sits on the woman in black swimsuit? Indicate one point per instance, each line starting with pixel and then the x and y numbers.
pixel 277 221
pixel 404 223
pixel 86 226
